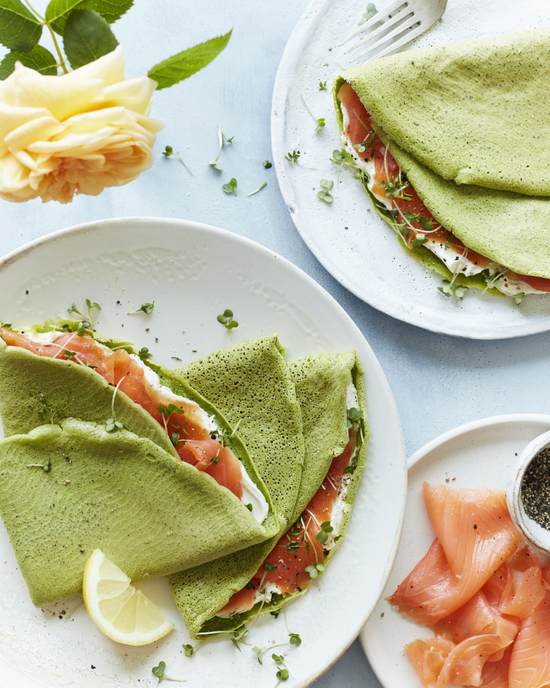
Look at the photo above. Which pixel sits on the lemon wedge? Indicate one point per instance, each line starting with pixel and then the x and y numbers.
pixel 119 609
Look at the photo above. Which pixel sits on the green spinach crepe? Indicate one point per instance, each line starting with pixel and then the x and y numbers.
pixel 323 384
pixel 72 483
pixel 453 145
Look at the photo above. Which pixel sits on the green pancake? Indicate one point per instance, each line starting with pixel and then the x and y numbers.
pixel 251 385
pixel 149 512
pixel 468 124
pixel 321 384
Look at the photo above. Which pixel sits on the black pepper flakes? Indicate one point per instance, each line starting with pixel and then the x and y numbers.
pixel 535 489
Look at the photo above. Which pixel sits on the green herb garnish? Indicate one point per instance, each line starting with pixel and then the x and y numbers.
pixel 371 12
pixel 113 425
pixel 354 415
pixel 268 165
pixel 159 670
pixel 146 308
pixel 168 152
pixel 270 567
pixel 69 354
pixel 144 354
pixel 230 187
pixel 322 535
pixel 189 650
pixel 293 156
pixel 249 507
pixel 292 546
pixel 87 320
pixel 295 639
pixel 237 637
pixel 324 194
pixel 262 186
pixel 222 142
pixel 450 289
pixel 518 298
pixel 394 188
pixel 323 85
pixel 259 652
pixel 314 570
pixel 214 461
pixel 226 319
pixel 43 407
pixel 46 467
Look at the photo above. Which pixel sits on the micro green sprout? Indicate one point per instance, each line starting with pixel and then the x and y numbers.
pixel 222 142
pixel 293 156
pixel 371 12
pixel 262 186
pixel 160 673
pixel 449 289
pixel 168 152
pixel 323 85
pixel 144 354
pixel 87 320
pixel 226 319
pixel 237 637
pixel 146 308
pixel 294 639
pixel 230 187
pixel 320 121
pixel 518 298
pixel 189 650
pixel 112 425
pixel 322 535
pixel 46 467
pixel 315 570
pixel 268 165
pixel 324 194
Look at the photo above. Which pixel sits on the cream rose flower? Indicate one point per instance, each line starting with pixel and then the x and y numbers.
pixel 76 133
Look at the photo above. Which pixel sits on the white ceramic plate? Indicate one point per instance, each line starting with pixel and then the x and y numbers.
pixel 352 242
pixel 193 273
pixel 478 454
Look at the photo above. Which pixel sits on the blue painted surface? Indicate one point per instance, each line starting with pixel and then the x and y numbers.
pixel 438 382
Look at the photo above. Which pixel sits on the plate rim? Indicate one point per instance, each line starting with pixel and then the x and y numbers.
pixel 293 50
pixel 422 453
pixel 26 249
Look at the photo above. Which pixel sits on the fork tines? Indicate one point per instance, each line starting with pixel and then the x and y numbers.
pixel 394 21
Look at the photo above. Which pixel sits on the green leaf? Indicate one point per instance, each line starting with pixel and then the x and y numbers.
pixel 87 37
pixel 19 28
pixel 38 58
pixel 58 11
pixel 188 62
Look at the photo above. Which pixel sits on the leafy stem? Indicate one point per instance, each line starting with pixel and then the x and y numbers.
pixel 46 23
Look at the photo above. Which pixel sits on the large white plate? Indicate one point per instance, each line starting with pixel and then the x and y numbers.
pixel 193 273
pixel 478 454
pixel 352 242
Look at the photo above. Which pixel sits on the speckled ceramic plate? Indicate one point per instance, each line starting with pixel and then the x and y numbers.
pixel 351 241
pixel 478 454
pixel 193 273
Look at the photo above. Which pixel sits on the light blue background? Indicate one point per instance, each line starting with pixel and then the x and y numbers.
pixel 438 382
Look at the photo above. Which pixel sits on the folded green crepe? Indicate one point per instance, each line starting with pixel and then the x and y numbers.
pixel 35 390
pixel 321 384
pixel 468 125
pixel 148 511
pixel 251 384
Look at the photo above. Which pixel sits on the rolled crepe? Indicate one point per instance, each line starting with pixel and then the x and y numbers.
pixel 321 384
pixel 35 390
pixel 468 125
pixel 144 508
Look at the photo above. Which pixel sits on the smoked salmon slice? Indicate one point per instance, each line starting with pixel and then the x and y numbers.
pixel 475 537
pixel 530 658
pixel 428 657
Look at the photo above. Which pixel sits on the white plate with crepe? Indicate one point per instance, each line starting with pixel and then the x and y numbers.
pixel 193 273
pixel 478 454
pixel 350 240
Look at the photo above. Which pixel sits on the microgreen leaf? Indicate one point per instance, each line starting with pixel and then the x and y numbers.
pixel 324 194
pixel 230 187
pixel 321 122
pixel 268 165
pixel 354 415
pixel 43 407
pixel 282 674
pixel 293 156
pixel 19 28
pixel 426 224
pixel 295 639
pixel 449 289
pixel 419 240
pixel 237 637
pixel 159 670
pixel 189 650
pixel 342 157
pixel 371 12
pixel 518 298
pixel 146 308
pixel 314 570
pixel 270 567
pixel 214 461
pixel 226 319
pixel 188 62
pixel 39 59
pixel 279 659
pixel 259 652
pixel 249 507
pixel 87 37
pixel 292 546
pixel 168 152
pixel 262 186
pixel 69 354
pixel 144 353
pixel 323 85
pixel 46 467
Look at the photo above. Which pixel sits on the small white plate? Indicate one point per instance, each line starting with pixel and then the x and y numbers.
pixel 350 240
pixel 478 454
pixel 193 272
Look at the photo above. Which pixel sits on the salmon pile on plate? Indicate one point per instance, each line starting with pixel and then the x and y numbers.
pixel 485 597
pixel 452 144
pixel 240 469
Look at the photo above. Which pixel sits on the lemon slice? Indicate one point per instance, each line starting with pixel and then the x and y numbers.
pixel 121 611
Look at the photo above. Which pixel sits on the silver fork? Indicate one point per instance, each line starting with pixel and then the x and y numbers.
pixel 398 23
